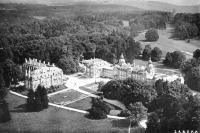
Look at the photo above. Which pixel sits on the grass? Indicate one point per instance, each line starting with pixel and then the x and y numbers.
pixel 83 104
pixel 53 120
pixel 168 44
pixel 67 96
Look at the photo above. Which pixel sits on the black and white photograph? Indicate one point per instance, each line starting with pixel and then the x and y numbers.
pixel 99 66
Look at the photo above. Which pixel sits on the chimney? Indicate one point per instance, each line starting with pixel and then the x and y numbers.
pixel 39 63
pixel 30 61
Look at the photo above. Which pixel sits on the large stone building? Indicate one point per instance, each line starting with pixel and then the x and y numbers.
pixel 40 73
pixel 122 70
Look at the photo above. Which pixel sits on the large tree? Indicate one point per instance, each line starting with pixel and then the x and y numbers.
pixel 152 35
pixel 175 108
pixel 129 91
pixel 4 111
pixel 68 65
pixel 174 59
pixel 156 54
pixel 146 52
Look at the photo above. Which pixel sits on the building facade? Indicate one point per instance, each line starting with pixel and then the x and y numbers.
pixel 122 70
pixel 98 68
pixel 39 73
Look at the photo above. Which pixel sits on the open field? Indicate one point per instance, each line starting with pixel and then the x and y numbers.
pixel 167 44
pixel 53 120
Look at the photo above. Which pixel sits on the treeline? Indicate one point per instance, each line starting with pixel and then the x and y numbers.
pixel 170 105
pixel 63 41
pixel 150 19
pixel 187 26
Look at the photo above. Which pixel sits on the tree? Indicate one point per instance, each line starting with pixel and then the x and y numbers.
pixel 190 68
pixel 175 109
pixel 133 50
pixel 4 111
pixel 5 53
pixel 68 65
pixel 99 109
pixel 185 30
pixel 174 59
pixel 192 78
pixel 196 53
pixel 129 91
pixel 153 124
pixel 17 74
pixel 146 52
pixel 30 103
pixel 152 35
pixel 168 59
pixel 137 112
pixel 156 54
pixel 42 94
pixel 37 100
pixel 3 90
pixel 8 71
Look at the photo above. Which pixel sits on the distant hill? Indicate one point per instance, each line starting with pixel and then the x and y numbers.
pixel 152 5
pixel 155 5
pixel 137 4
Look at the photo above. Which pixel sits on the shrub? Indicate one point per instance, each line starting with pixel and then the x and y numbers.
pixel 156 54
pixel 152 35
pixel 146 52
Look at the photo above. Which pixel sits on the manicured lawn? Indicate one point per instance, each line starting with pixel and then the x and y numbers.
pixel 53 120
pixel 66 97
pixel 83 104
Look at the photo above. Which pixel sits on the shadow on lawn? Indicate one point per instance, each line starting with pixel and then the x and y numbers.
pixel 120 123
pixel 19 109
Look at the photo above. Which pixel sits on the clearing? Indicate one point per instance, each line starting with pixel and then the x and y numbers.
pixel 168 44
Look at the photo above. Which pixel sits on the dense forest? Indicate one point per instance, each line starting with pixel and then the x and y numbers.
pixel 62 40
pixel 187 26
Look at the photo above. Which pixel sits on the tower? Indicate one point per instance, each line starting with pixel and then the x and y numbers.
pixel 150 70
pixel 122 60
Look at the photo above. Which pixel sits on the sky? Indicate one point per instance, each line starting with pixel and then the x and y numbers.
pixel 177 2
pixel 180 2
